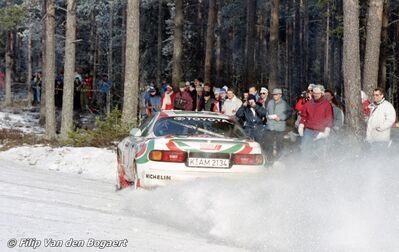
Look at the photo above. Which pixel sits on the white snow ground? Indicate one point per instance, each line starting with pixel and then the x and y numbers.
pixel 25 120
pixel 348 203
pixel 43 203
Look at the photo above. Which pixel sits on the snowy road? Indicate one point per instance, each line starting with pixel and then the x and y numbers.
pixel 43 204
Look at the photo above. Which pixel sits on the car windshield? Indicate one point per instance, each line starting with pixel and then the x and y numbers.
pixel 198 126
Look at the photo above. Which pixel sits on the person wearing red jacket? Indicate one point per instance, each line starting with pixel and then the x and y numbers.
pixel 316 121
pixel 168 98
pixel 183 100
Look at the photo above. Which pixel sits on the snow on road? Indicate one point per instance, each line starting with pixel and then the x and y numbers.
pixel 43 204
pixel 346 203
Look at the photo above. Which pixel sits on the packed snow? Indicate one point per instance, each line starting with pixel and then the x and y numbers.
pixel 26 120
pixel 89 162
pixel 345 202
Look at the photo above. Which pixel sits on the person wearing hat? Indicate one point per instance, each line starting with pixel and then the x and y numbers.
pixel 316 122
pixel 264 92
pixel 277 113
pixel 251 114
pixel 183 100
pixel 168 98
pixel 153 103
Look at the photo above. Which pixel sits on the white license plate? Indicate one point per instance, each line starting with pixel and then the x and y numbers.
pixel 209 162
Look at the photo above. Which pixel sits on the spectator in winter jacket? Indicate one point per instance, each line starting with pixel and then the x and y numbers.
pixel 154 101
pixel 104 85
pixel 382 118
pixel 316 122
pixel 217 103
pixel 264 92
pixel 208 102
pixel 193 92
pixel 251 114
pixel 231 104
pixel 338 114
pixel 168 98
pixel 199 99
pixel 183 100
pixel 164 85
pixel 277 112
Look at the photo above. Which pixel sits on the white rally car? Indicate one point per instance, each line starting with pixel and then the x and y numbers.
pixel 174 146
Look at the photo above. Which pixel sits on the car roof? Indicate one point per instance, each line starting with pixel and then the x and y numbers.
pixel 173 113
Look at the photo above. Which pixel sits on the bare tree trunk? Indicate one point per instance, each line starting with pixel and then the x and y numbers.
pixel 132 69
pixel 351 66
pixel 382 75
pixel 123 44
pixel 50 70
pixel 92 43
pixel 288 51
pixel 69 71
pixel 110 55
pixel 219 45
pixel 9 63
pixel 210 39
pixel 29 77
pixel 249 73
pixel 304 52
pixel 42 120
pixel 371 60
pixel 274 41
pixel 177 73
pixel 326 73
pixel 159 42
pixel 200 20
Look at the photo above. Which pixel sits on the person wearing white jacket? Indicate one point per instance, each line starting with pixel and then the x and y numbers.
pixel 382 117
pixel 231 104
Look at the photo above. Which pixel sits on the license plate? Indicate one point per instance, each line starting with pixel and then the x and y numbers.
pixel 209 162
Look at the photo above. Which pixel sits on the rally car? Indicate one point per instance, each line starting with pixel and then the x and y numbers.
pixel 174 146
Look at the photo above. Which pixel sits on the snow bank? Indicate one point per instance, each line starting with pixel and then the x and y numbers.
pixel 300 204
pixel 25 120
pixel 89 162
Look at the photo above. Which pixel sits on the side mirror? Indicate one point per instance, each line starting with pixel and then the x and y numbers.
pixel 135 132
